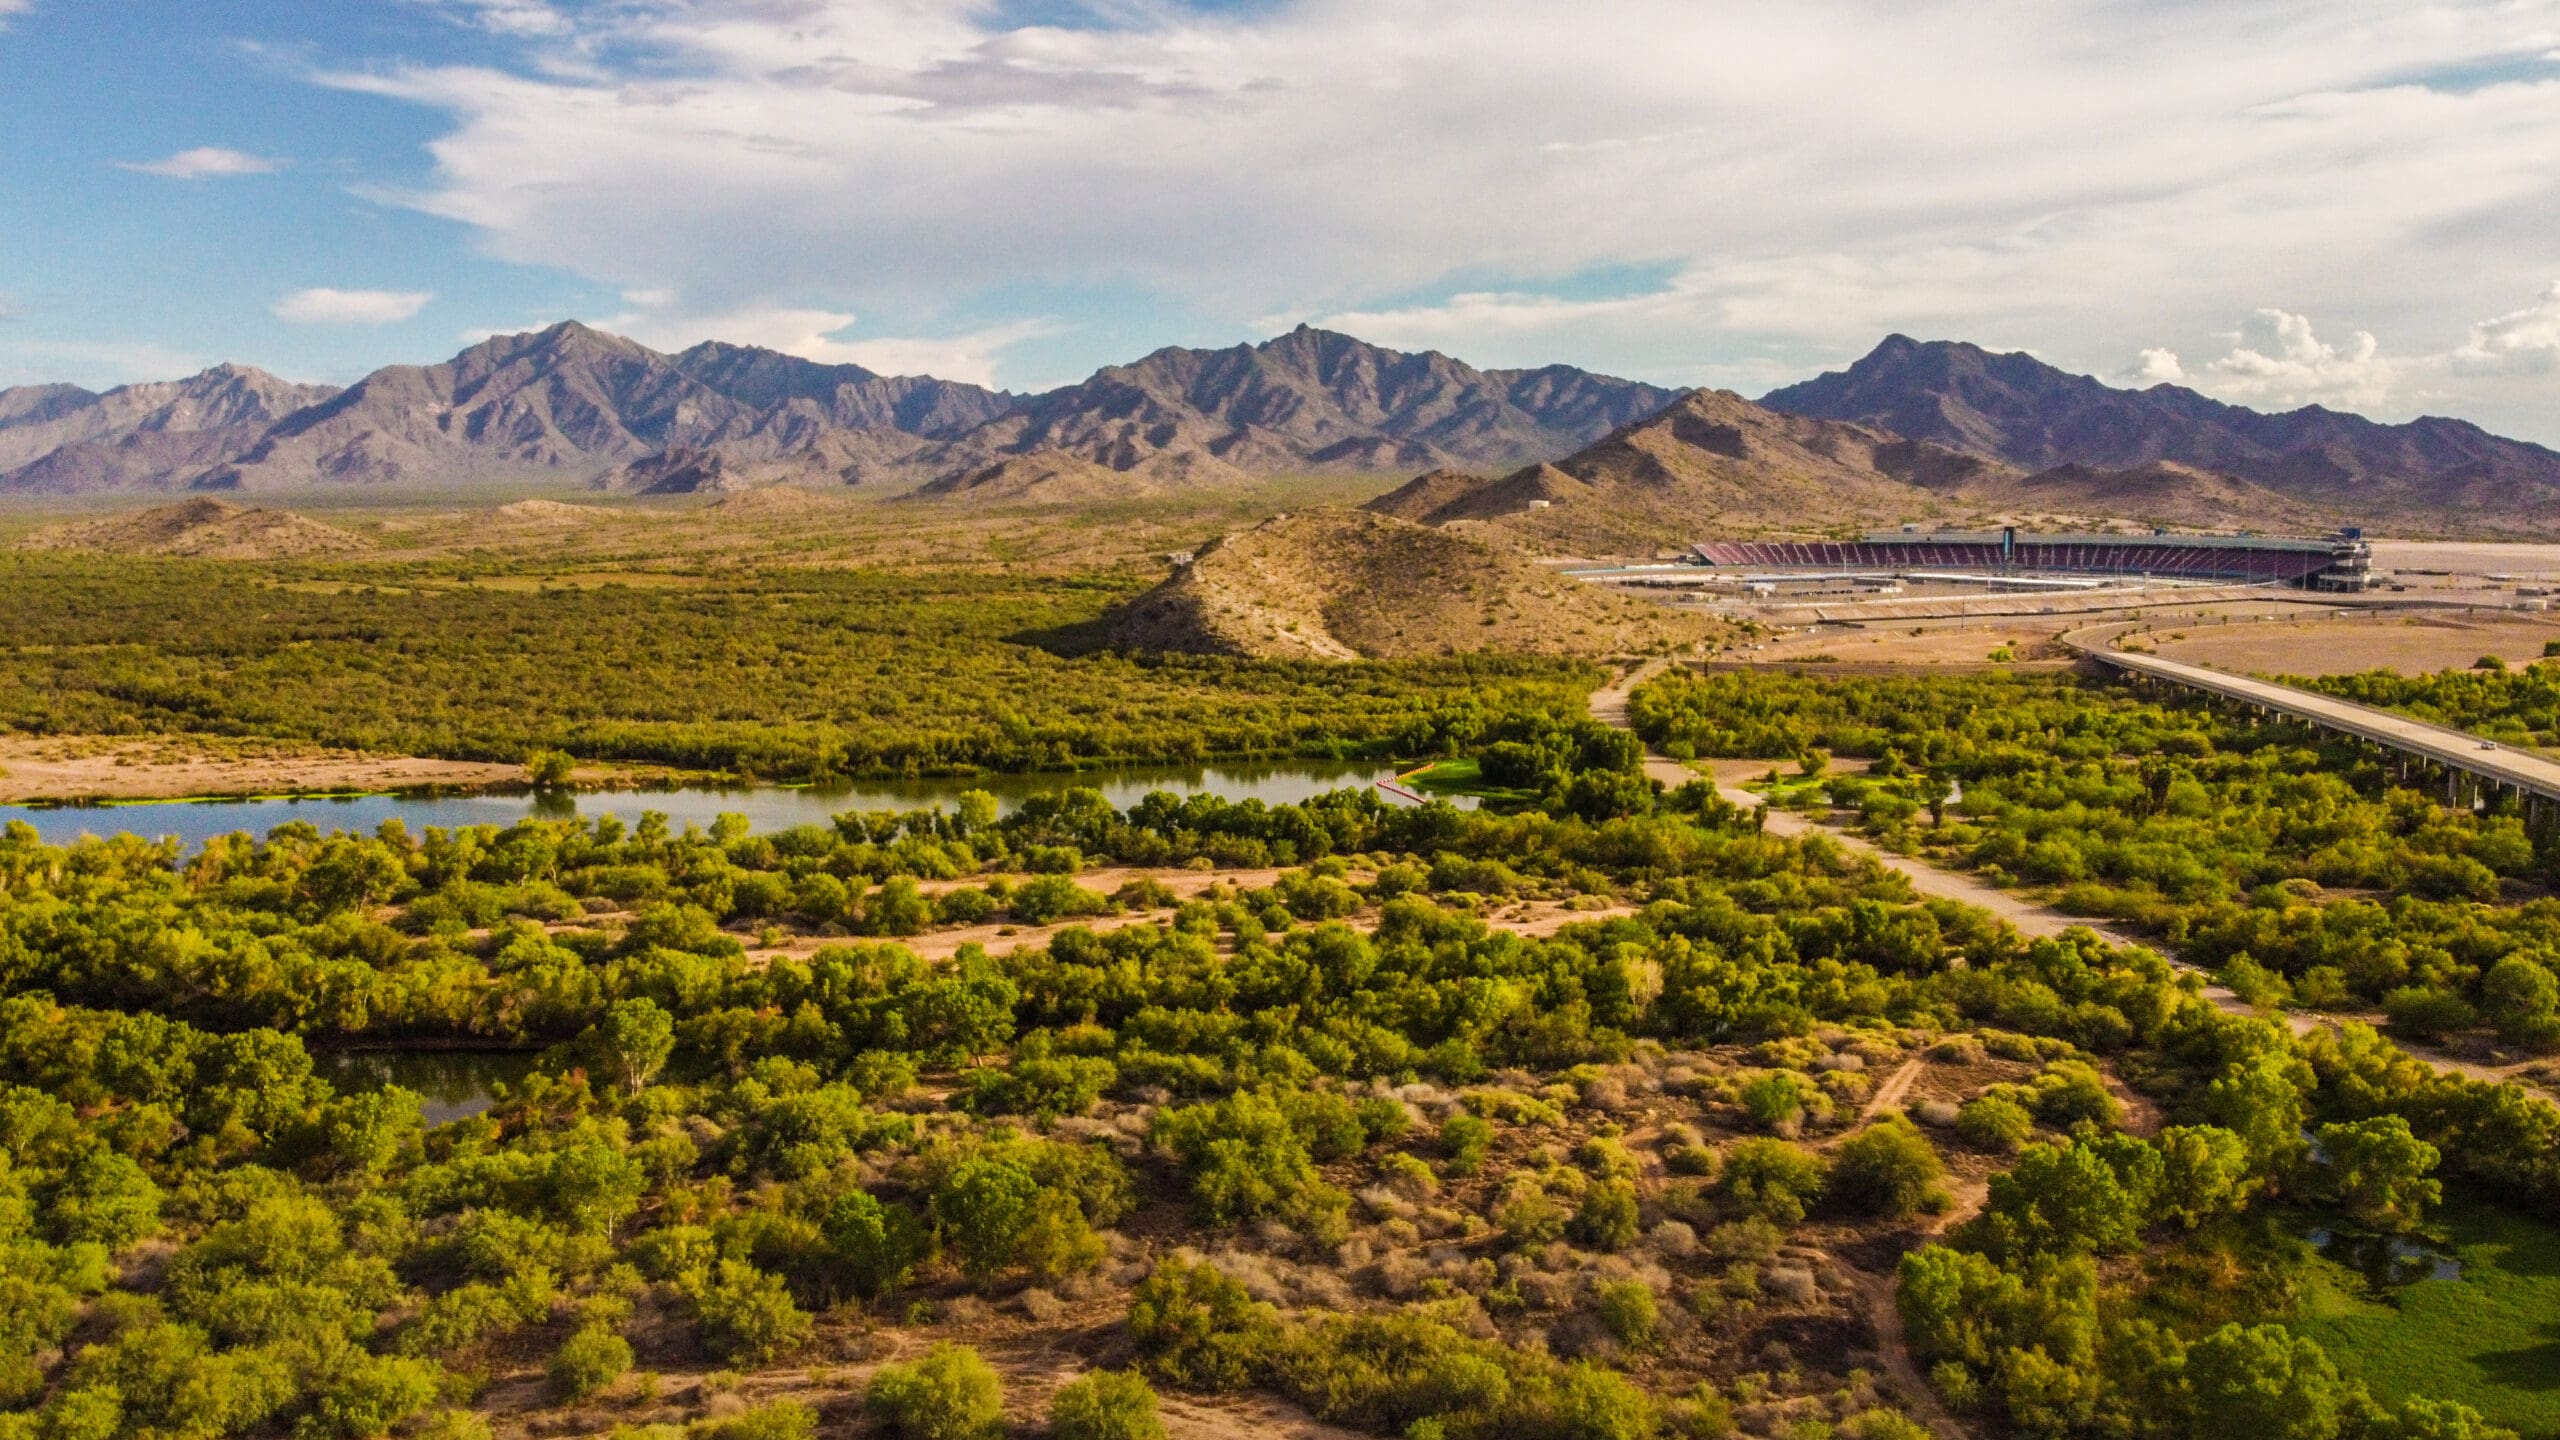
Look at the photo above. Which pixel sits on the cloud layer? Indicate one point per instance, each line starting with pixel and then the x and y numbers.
pixel 351 307
pixel 1774 186
pixel 207 162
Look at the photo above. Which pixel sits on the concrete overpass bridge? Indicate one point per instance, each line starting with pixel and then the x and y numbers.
pixel 2472 767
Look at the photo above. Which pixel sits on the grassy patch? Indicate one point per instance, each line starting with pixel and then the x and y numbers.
pixel 2490 1340
pixel 1463 777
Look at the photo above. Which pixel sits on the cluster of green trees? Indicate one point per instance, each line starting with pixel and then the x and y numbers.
pixel 736 1143
pixel 2202 826
pixel 794 674
pixel 2520 706
pixel 2017 1321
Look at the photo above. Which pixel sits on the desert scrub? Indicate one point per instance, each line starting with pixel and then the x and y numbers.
pixel 947 1394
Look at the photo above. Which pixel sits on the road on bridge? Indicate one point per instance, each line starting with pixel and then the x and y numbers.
pixel 2456 749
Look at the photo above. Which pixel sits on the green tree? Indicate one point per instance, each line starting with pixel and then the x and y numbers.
pixel 366 1131
pixel 2207 1173
pixel 896 908
pixel 2379 1170
pixel 367 1395
pixel 549 769
pixel 106 1198
pixel 2260 1382
pixel 632 1042
pixel 2522 999
pixel 2061 1198
pixel 877 1246
pixel 983 1207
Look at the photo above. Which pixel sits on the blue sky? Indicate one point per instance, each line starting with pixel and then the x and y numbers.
pixel 2350 202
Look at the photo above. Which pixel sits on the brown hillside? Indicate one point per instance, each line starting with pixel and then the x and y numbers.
pixel 1341 584
pixel 1421 498
pixel 1714 463
pixel 2161 492
pixel 203 528
pixel 1059 477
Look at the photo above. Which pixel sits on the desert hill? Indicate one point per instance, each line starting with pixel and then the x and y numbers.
pixel 1338 584
pixel 1060 477
pixel 203 528
pixel 1711 463
pixel 2017 409
pixel 2160 493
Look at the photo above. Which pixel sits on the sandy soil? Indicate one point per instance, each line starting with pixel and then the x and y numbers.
pixel 127 768
pixel 2411 644
pixel 2466 557
pixel 1932 645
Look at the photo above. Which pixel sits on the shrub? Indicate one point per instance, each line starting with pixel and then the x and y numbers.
pixel 949 1394
pixel 1606 1219
pixel 1995 1122
pixel 1777 1099
pixel 1772 1180
pixel 1106 1405
pixel 592 1358
pixel 368 1396
pixel 2425 1013
pixel 781 1420
pixel 1466 1139
pixel 1888 1169
pixel 746 1315
pixel 1629 1312
pixel 1199 1329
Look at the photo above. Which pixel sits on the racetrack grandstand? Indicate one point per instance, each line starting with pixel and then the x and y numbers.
pixel 2342 562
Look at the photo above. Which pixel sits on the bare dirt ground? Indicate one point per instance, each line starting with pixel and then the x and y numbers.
pixel 1971 644
pixel 2464 557
pixel 2413 644
pixel 168 767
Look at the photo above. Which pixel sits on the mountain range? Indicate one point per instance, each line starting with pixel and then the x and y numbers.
pixel 2016 409
pixel 575 402
pixel 1913 430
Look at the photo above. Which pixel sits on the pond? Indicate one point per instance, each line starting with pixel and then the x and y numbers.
pixel 767 807
pixel 2386 1262
pixel 452 1084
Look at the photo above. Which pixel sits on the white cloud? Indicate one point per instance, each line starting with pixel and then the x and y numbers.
pixel 2278 358
pixel 351 307
pixel 206 162
pixel 2157 367
pixel 820 335
pixel 41 362
pixel 2079 176
pixel 531 18
pixel 2525 342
